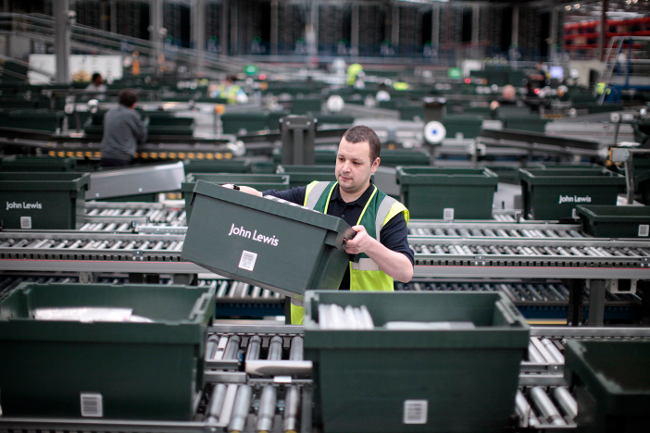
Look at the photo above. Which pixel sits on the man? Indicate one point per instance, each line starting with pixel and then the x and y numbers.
pixel 230 91
pixel 356 199
pixel 97 85
pixel 123 130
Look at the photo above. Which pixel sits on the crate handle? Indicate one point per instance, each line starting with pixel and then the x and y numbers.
pixel 200 306
pixel 506 314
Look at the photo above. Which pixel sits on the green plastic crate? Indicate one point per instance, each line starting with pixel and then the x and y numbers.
pixel 235 123
pixel 611 381
pixel 429 192
pixel 306 106
pixel 467 124
pixel 41 120
pixel 37 163
pixel 302 175
pixel 388 157
pixel 217 166
pixel 43 200
pixel 261 182
pixel 364 377
pixel 525 123
pixel 274 245
pixel 551 194
pixel 615 221
pixel 141 370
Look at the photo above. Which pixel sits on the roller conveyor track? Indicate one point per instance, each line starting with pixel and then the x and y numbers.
pixel 530 257
pixel 158 214
pixel 520 293
pixel 250 400
pixel 490 229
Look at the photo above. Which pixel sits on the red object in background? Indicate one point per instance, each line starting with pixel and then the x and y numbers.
pixel 467 81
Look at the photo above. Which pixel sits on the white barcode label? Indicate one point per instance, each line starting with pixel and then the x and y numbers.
pixel 247 260
pixel 448 213
pixel 415 411
pixel 644 229
pixel 92 405
pixel 25 222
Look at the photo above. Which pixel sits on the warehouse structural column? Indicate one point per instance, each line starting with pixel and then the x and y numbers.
pixel 603 29
pixel 394 38
pixel 234 28
pixel 113 16
pixel 435 29
pixel 514 44
pixel 311 29
pixel 274 27
pixel 224 27
pixel 476 10
pixel 62 21
pixel 552 48
pixel 354 30
pixel 198 33
pixel 156 32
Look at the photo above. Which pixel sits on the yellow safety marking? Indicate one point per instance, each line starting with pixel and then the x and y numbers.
pixel 172 155
pixel 98 154
pixel 218 156
pixel 80 154
pixel 89 154
pixel 228 155
pixel 154 155
pixel 61 154
pixel 181 155
pixel 52 153
pixel 163 155
pixel 191 155
pixel 144 155
pixel 70 154
pixel 547 321
pixel 391 146
pixel 209 156
pixel 200 155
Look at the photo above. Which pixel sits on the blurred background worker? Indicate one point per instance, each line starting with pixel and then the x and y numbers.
pixel 385 251
pixel 97 85
pixel 354 70
pixel 230 91
pixel 123 130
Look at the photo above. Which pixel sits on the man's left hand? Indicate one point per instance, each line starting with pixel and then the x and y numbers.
pixel 361 242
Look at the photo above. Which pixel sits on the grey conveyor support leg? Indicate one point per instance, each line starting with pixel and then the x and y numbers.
pixel 643 286
pixel 597 302
pixel 574 309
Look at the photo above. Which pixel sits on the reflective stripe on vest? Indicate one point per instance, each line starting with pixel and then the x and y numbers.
pixel 313 193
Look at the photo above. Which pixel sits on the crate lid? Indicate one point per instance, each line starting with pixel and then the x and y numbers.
pixel 45 181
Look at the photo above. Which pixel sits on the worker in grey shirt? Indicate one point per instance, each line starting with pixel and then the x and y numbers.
pixel 123 130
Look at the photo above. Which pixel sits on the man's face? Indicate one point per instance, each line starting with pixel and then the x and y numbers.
pixel 353 166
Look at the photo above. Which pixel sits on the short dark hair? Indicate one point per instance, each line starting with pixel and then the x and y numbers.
pixel 360 134
pixel 96 75
pixel 231 78
pixel 128 97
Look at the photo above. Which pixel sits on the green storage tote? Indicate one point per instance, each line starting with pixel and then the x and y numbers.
pixel 302 175
pixel 467 124
pixel 265 242
pixel 364 377
pixel 261 182
pixel 611 381
pixel 41 120
pixel 388 157
pixel 551 194
pixel 37 163
pixel 141 370
pixel 235 123
pixel 430 192
pixel 615 221
pixel 43 200
pixel 217 166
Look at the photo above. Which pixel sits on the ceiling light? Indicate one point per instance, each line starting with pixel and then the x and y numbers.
pixel 567 8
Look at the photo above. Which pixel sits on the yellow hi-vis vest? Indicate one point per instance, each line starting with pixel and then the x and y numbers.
pixel 229 93
pixel 379 209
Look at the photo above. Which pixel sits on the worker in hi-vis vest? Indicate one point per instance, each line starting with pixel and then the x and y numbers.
pixel 379 220
pixel 229 90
